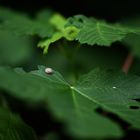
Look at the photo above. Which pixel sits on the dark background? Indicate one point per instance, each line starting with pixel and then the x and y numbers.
pixel 111 10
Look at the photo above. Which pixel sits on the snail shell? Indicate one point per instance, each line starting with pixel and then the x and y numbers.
pixel 49 70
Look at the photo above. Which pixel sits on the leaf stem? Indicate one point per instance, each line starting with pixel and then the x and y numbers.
pixel 128 63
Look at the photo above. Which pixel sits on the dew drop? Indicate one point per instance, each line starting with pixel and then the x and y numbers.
pixel 72 87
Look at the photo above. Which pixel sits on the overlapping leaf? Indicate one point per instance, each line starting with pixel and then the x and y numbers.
pixel 101 34
pixel 53 27
pixel 88 31
pixel 68 33
pixel 113 91
pixel 13 128
pixel 98 32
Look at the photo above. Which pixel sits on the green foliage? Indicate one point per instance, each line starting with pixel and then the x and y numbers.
pixel 61 32
pixel 13 128
pixel 23 25
pixel 88 30
pixel 77 104
pixel 133 43
pixel 67 102
pixel 83 104
pixel 99 32
pixel 14 49
pixel 133 40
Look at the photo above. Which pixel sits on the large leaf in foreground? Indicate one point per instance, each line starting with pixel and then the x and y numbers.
pixel 113 91
pixel 76 110
pixel 13 128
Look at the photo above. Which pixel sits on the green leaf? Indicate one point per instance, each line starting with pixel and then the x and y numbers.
pixel 14 49
pixel 45 44
pixel 98 32
pixel 58 21
pixel 88 31
pixel 76 105
pixel 13 128
pixel 132 22
pixel 114 91
pixel 78 21
pixel 44 15
pixel 66 102
pixel 22 25
pixel 68 33
pixel 35 80
pixel 133 43
pixel 133 40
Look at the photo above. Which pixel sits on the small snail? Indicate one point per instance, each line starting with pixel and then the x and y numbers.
pixel 49 70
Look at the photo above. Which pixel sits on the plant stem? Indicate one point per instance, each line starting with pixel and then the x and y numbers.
pixel 128 63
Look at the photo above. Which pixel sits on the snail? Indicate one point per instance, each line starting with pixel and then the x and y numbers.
pixel 49 70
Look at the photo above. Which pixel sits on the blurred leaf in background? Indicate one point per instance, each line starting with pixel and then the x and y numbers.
pixel 13 128
pixel 14 49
